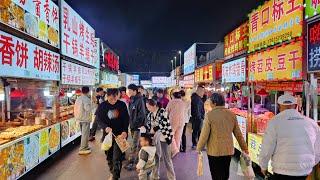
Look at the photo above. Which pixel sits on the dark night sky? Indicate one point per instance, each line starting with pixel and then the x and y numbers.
pixel 145 33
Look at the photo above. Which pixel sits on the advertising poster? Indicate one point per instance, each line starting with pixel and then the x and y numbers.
pixel 190 59
pixel 236 42
pixel 74 74
pixel 110 60
pixel 77 37
pixel 12 163
pixel 312 8
pixel 234 71
pixel 37 18
pixel 20 58
pixel 43 144
pixel 280 63
pixel 65 132
pixel 188 81
pixel 254 145
pixel 218 70
pixel 31 151
pixel 314 46
pixel 242 122
pixel 274 22
pixel 54 138
pixel 204 74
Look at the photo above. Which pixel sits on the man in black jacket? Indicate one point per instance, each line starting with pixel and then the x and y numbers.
pixel 137 111
pixel 113 117
pixel 99 99
pixel 197 114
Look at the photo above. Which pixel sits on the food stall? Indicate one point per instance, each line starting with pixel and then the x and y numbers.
pixel 275 65
pixel 29 127
pixel 234 86
pixel 80 61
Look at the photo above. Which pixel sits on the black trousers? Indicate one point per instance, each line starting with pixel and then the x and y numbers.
pixel 285 177
pixel 94 128
pixel 184 138
pixel 114 159
pixel 196 130
pixel 219 167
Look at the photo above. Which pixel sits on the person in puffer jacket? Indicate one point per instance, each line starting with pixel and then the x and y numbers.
pixel 147 155
pixel 291 142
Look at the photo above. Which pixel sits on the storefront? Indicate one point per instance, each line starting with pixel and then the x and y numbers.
pixel 30 128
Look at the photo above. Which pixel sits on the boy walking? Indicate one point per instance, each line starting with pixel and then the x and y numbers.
pixel 147 154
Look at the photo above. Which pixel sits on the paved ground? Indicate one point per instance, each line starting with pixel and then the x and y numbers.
pixel 68 165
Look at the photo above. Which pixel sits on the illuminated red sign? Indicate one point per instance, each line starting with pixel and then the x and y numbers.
pixel 111 61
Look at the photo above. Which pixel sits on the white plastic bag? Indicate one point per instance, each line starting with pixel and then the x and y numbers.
pixel 107 142
pixel 200 164
pixel 245 165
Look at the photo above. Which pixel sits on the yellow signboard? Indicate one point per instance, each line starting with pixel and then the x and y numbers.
pixel 274 22
pixel 280 63
pixel 254 145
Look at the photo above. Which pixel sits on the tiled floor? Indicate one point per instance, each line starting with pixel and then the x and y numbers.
pixel 68 165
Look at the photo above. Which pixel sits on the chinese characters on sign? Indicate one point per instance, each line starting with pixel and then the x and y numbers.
pixel 274 22
pixel 312 8
pixel 235 43
pixel 190 60
pixel 111 61
pixel 234 71
pixel 188 81
pixel 280 63
pixel 314 46
pixel 204 74
pixel 38 18
pixel 254 146
pixel 77 37
pixel 74 74
pixel 19 58
pixel 109 79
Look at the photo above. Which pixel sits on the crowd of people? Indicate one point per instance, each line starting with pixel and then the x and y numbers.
pixel 156 127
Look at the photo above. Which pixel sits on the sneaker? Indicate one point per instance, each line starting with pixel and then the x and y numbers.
pixel 92 138
pixel 84 152
pixel 129 167
pixel 182 150
pixel 193 147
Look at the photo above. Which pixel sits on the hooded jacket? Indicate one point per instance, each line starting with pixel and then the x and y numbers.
pixel 146 157
pixel 137 110
pixel 197 107
pixel 83 109
pixel 292 143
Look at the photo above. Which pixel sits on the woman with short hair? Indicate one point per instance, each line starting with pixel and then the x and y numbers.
pixel 219 125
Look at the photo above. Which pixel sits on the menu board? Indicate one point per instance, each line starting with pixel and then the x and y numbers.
pixel 22 59
pixel 43 144
pixel 254 146
pixel 77 37
pixel 74 74
pixel 31 151
pixel 37 18
pixel 109 79
pixel 12 162
pixel 54 138
pixel 236 42
pixel 70 130
pixel 274 22
pixel 280 63
pixel 234 71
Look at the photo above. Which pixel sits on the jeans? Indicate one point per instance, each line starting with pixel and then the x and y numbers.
pixel 85 130
pixel 134 146
pixel 196 130
pixel 94 127
pixel 166 155
pixel 114 159
pixel 285 177
pixel 219 167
